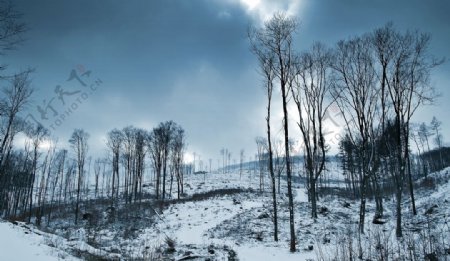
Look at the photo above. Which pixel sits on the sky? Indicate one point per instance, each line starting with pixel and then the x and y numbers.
pixel 101 65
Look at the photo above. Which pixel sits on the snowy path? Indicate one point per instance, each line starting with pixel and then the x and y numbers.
pixel 193 219
pixel 301 195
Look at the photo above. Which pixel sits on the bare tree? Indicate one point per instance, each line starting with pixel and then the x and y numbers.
pixel 11 29
pixel 79 145
pixel 276 37
pixel 167 129
pixel 357 96
pixel 15 98
pixel 43 187
pixel 311 87
pixel 128 158
pixel 178 147
pixel 37 135
pixel 424 133
pixel 408 86
pixel 384 43
pixel 436 127
pixel 140 153
pixel 115 139
pixel 266 63
pixel 59 163
pixel 241 162
pixel 155 147
pixel 97 168
pixel 261 145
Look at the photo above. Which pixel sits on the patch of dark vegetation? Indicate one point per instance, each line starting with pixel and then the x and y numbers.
pixel 84 255
pixel 205 195
pixel 170 245
pixel 232 256
pixel 427 183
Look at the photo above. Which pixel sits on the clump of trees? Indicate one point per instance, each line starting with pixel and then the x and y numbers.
pixel 36 179
pixel 396 71
pixel 41 176
pixel 15 95
pixel 378 81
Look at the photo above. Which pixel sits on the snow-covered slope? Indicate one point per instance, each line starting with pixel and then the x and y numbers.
pixel 239 224
pixel 19 243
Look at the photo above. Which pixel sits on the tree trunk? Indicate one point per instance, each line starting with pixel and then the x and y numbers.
pixel 164 177
pixel 362 207
pixel 272 174
pixel 378 197
pixel 288 169
pixel 398 229
pixel 411 185
pixel 313 198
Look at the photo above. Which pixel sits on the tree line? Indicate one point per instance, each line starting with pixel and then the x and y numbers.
pixel 42 175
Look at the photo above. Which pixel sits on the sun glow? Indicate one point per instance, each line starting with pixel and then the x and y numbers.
pixel 264 9
pixel 188 157
pixel 251 4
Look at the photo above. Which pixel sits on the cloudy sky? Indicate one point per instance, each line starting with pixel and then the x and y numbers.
pixel 143 62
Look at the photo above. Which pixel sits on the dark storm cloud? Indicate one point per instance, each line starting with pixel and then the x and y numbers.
pixel 189 61
pixel 186 61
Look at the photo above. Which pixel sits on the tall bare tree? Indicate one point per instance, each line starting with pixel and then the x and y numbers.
pixel 276 37
pixel 266 63
pixel 357 96
pixel 408 88
pixel 261 145
pixel 178 146
pixel 155 147
pixel 167 129
pixel 114 142
pixel 140 149
pixel 436 127
pixel 15 97
pixel 128 134
pixel 11 28
pixel 312 84
pixel 37 134
pixel 79 144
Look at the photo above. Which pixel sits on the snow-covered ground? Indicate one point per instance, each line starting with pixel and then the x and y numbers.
pixel 238 225
pixel 18 242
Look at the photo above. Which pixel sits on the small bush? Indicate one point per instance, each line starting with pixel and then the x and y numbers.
pixel 170 244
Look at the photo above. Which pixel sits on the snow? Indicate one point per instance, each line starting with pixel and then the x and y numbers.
pixel 249 253
pixel 200 217
pixel 239 223
pixel 16 243
pixel 301 195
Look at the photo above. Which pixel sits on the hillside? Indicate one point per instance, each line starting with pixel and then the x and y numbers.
pixel 225 217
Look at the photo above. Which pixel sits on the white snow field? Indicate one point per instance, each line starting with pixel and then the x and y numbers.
pixel 19 243
pixel 233 226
